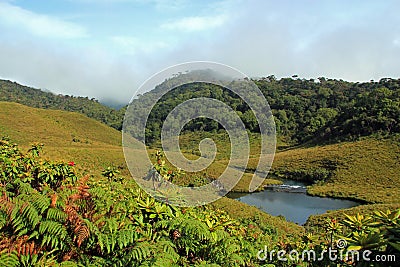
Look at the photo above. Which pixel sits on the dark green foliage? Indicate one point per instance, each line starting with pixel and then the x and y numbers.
pixel 18 170
pixel 311 175
pixel 379 233
pixel 304 110
pixel 110 173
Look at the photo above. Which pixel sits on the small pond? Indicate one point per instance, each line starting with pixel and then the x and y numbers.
pixel 291 201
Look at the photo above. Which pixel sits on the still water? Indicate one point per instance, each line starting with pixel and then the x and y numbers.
pixel 291 201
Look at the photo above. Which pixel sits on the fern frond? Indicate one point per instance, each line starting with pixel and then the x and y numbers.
pixel 56 229
pixel 3 219
pixel 56 215
pixel 81 233
pixel 31 214
pixel 9 259
pixel 40 202
pixel 125 238
pixel 139 252
pixel 6 204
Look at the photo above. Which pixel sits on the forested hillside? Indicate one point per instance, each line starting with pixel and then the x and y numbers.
pixel 333 109
pixel 14 92
pixel 304 110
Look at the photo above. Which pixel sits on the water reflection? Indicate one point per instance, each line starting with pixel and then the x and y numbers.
pixel 292 202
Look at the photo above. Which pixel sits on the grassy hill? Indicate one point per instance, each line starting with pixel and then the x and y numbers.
pixel 66 135
pixel 367 170
pixel 14 92
pixel 54 127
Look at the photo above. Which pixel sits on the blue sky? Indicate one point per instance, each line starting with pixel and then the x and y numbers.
pixel 107 48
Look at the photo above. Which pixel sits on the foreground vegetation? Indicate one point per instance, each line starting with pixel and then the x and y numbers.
pixel 51 216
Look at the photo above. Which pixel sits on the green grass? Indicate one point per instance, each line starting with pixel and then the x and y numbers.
pixel 66 136
pixel 189 145
pixel 54 127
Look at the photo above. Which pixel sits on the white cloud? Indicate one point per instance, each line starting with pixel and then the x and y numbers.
pixel 38 24
pixel 133 45
pixel 195 23
pixel 309 38
pixel 91 72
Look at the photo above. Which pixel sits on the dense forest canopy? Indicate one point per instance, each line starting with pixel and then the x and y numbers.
pixel 304 110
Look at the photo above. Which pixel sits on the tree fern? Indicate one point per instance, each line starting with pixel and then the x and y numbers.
pixel 126 237
pixel 35 260
pixel 107 242
pixel 164 254
pixel 24 216
pixel 82 232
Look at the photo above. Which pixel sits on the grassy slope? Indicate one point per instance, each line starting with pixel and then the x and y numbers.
pixel 14 92
pixel 189 143
pixel 99 147
pixel 367 170
pixel 54 127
